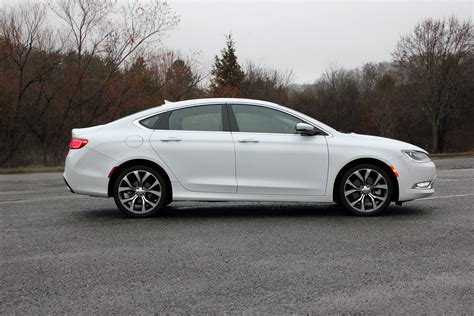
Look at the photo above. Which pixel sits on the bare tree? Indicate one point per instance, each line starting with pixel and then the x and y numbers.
pixel 104 30
pixel 29 47
pixel 265 83
pixel 339 95
pixel 86 24
pixel 434 62
pixel 384 107
pixel 138 25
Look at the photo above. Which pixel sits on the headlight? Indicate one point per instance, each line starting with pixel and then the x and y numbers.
pixel 417 156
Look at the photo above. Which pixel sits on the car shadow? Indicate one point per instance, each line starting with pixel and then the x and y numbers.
pixel 255 210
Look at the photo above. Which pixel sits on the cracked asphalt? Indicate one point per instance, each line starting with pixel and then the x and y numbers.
pixel 66 253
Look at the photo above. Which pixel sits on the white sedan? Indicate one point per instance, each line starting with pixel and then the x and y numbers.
pixel 241 150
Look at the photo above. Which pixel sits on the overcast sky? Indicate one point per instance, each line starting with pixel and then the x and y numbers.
pixel 303 36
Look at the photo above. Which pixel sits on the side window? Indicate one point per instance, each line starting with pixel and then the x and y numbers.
pixel 197 118
pixel 152 121
pixel 257 119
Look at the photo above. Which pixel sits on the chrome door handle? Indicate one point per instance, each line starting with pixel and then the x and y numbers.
pixel 170 139
pixel 248 140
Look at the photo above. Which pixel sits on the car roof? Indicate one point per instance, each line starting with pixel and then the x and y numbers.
pixel 168 105
pixel 178 104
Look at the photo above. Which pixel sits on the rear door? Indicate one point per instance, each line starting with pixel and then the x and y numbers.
pixel 196 144
pixel 271 158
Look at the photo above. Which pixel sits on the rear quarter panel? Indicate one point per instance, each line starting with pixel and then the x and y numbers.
pixel 125 141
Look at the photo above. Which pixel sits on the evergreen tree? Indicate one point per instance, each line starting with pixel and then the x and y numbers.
pixel 181 83
pixel 227 73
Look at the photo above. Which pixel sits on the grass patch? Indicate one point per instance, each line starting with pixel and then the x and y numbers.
pixel 448 155
pixel 31 169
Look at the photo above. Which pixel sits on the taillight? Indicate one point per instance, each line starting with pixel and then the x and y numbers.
pixel 76 143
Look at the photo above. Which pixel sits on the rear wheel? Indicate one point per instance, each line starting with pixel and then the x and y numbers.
pixel 365 190
pixel 140 191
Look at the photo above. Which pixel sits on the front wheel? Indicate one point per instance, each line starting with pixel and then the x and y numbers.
pixel 140 191
pixel 365 190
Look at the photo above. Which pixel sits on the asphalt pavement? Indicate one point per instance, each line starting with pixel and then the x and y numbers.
pixel 66 253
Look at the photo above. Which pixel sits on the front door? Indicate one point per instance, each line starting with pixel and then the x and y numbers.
pixel 272 159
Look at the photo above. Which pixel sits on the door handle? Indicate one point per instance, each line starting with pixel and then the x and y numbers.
pixel 170 139
pixel 248 140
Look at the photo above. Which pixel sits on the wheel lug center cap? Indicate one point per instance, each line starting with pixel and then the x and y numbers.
pixel 140 191
pixel 366 189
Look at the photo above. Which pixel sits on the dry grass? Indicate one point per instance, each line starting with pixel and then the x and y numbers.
pixel 448 155
pixel 31 169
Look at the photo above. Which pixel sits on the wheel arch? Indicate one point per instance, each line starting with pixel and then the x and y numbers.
pixel 379 163
pixel 138 162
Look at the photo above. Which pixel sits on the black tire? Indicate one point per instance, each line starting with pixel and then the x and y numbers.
pixel 149 188
pixel 168 201
pixel 360 194
pixel 338 204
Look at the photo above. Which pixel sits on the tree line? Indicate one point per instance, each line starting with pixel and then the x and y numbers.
pixel 102 60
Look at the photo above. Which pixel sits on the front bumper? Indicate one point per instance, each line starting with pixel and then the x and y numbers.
pixel 411 173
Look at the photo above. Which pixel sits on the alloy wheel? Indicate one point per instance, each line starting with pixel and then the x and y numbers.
pixel 366 190
pixel 139 191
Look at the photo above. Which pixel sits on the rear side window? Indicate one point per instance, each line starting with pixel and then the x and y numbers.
pixel 197 118
pixel 152 121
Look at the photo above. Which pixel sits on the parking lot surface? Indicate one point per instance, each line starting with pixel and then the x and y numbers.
pixel 66 253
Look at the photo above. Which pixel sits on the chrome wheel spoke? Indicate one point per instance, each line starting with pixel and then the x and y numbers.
pixel 125 179
pixel 374 205
pixel 356 201
pixel 137 175
pixel 128 199
pixel 349 192
pixel 366 176
pixel 122 189
pixel 132 205
pixel 132 200
pixel 154 184
pixel 147 174
pixel 357 174
pixel 157 193
pixel 377 197
pixel 349 182
pixel 379 176
pixel 150 202
pixel 380 186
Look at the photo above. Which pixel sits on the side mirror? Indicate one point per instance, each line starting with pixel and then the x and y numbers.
pixel 306 129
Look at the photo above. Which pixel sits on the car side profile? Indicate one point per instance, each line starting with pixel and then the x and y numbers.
pixel 229 149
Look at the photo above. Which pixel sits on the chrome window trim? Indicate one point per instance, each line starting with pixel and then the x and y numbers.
pixel 137 121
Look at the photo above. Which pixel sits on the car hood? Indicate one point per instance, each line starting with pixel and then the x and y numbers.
pixel 382 142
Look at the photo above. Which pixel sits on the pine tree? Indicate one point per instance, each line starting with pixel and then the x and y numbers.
pixel 227 73
pixel 181 83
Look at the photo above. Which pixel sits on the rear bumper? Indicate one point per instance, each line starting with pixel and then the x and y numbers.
pixel 68 186
pixel 86 172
